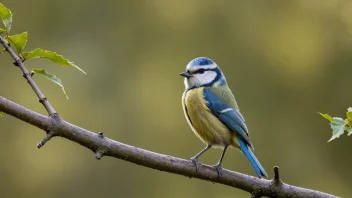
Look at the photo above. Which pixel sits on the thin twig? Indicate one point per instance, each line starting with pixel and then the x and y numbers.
pixel 48 136
pixel 96 142
pixel 18 62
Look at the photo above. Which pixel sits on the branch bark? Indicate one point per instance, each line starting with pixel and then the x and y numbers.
pixel 103 146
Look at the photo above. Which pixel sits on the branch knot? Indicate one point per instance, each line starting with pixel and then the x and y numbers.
pixel 54 120
pixel 42 100
pixel 275 183
pixel 276 180
pixel 101 151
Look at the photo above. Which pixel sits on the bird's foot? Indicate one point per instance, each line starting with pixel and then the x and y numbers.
pixel 196 163
pixel 218 170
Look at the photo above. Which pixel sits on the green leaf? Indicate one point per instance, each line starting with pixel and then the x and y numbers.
pixel 6 17
pixel 326 116
pixel 338 127
pixel 1 114
pixel 19 40
pixel 2 30
pixel 349 131
pixel 2 51
pixel 349 114
pixel 51 77
pixel 40 53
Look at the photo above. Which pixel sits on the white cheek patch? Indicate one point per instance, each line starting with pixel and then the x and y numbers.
pixel 198 80
pixel 192 82
pixel 205 78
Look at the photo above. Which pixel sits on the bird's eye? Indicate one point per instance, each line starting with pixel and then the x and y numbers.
pixel 200 71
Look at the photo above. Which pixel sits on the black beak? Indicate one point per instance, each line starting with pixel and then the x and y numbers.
pixel 186 74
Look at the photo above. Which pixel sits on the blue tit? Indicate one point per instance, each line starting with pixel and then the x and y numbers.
pixel 213 114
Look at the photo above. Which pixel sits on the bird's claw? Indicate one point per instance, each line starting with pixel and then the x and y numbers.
pixel 196 163
pixel 218 170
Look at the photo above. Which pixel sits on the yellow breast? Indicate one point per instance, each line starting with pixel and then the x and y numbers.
pixel 204 124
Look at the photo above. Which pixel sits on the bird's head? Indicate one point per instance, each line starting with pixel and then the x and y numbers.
pixel 202 72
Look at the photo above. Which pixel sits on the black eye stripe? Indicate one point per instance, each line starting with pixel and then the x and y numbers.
pixel 201 71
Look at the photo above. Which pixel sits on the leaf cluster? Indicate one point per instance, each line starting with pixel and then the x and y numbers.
pixel 339 125
pixel 20 41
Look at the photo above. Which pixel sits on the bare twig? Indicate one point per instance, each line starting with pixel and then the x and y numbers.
pixel 102 145
pixel 48 136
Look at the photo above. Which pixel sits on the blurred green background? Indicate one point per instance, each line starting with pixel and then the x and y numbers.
pixel 284 60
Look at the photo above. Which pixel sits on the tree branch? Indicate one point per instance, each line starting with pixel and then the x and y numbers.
pixel 102 145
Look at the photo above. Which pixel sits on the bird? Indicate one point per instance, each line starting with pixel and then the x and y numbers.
pixel 212 113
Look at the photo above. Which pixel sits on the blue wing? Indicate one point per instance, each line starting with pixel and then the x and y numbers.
pixel 231 117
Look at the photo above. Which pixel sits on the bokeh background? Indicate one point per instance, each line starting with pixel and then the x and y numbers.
pixel 284 60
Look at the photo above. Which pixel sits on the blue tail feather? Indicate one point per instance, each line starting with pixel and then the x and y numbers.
pixel 252 159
